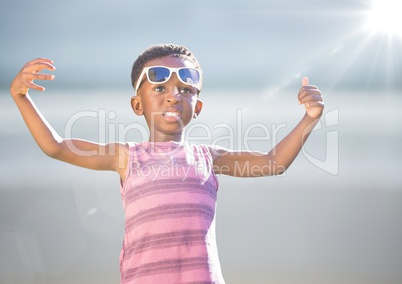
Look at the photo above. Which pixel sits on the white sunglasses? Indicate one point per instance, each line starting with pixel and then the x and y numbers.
pixel 161 74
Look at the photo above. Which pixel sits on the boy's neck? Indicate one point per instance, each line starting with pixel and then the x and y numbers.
pixel 159 137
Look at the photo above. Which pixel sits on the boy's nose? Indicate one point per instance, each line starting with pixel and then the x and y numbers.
pixel 173 96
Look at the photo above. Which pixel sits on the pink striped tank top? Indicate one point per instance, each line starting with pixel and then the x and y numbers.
pixel 169 199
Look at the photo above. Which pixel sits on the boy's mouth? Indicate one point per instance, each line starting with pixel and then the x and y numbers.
pixel 171 115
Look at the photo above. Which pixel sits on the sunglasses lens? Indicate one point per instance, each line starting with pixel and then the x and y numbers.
pixel 158 74
pixel 161 74
pixel 189 76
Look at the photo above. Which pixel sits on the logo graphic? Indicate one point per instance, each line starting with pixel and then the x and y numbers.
pixel 330 163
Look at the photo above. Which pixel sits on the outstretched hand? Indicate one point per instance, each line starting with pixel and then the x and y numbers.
pixel 310 96
pixel 23 81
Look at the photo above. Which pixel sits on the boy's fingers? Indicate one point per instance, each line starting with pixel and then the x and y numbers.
pixel 41 59
pixel 30 77
pixel 306 93
pixel 35 67
pixel 28 80
pixel 41 76
pixel 311 98
pixel 36 87
pixel 316 96
pixel 29 84
pixel 305 81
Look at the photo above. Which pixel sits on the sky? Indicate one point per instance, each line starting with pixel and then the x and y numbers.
pixel 94 43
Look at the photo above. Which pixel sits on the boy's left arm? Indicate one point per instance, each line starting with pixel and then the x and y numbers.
pixel 253 164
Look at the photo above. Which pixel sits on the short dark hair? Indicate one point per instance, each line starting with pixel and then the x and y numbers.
pixel 157 51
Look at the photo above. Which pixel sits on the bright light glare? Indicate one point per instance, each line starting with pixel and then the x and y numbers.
pixel 385 16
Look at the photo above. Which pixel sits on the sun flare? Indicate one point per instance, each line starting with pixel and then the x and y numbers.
pixel 385 17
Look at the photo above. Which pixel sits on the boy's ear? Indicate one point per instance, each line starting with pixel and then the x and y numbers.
pixel 198 108
pixel 136 105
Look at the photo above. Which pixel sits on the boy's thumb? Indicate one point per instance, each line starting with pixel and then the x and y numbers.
pixel 305 81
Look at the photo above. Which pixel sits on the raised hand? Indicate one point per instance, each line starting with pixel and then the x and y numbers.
pixel 311 97
pixel 23 81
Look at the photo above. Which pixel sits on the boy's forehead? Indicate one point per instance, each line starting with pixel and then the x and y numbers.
pixel 170 61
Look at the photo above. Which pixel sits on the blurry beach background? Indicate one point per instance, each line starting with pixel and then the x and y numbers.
pixel 334 217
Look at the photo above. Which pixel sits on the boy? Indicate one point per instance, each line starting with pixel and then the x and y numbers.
pixel 168 187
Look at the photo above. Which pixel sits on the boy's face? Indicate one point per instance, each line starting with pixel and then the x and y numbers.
pixel 167 107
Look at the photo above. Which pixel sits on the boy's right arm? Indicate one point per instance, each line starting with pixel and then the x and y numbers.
pixel 78 152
